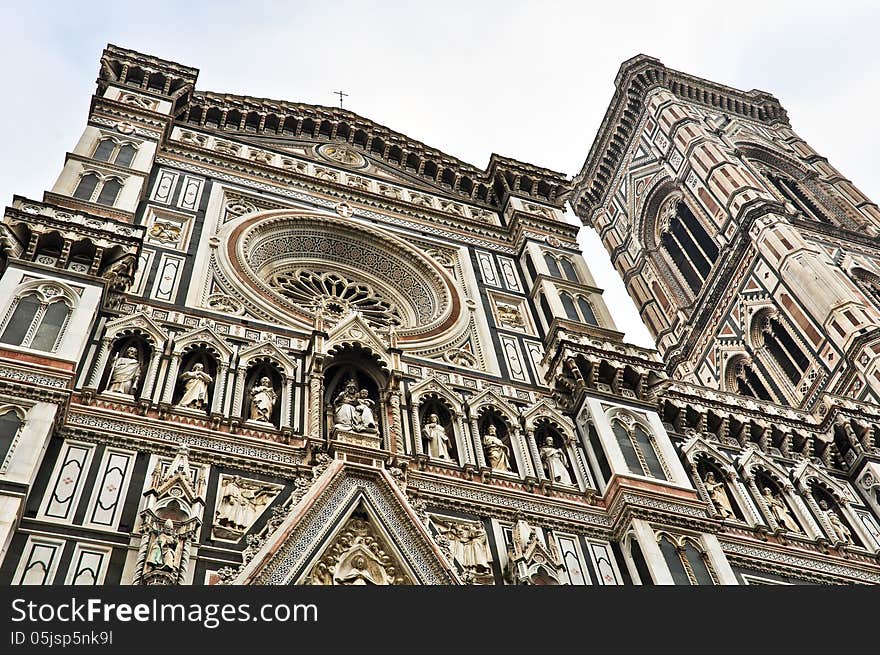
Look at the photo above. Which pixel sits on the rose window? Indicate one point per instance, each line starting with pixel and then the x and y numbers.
pixel 336 295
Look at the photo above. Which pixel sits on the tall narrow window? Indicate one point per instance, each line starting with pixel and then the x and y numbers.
pixel 633 462
pixel 105 150
pixel 791 190
pixel 651 457
pixel 86 187
pixel 109 192
pixel 784 350
pixel 552 266
pixel 9 426
pixel 688 244
pixel 21 320
pixel 687 564
pixel 639 450
pixel 50 326
pixel 125 155
pixel 568 269
pixel 568 305
pixel 749 384
pixel 587 314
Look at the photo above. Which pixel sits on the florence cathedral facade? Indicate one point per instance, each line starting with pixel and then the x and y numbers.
pixel 249 341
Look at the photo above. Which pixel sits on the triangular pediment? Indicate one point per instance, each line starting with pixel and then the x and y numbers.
pixel 354 330
pixel 353 526
pixel 269 350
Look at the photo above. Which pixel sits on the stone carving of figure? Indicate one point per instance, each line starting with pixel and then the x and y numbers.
pixel 469 547
pixel 263 397
pixel 841 531
pixel 125 372
pixel 438 440
pixel 353 409
pixel 779 511
pixel 718 495
pixel 360 567
pixel 497 453
pixel 364 410
pixel 555 462
pixel 163 554
pixel 241 503
pixel 195 391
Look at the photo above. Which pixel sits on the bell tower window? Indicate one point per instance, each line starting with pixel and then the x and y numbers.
pixel 688 244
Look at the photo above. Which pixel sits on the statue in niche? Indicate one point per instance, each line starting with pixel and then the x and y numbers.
pixel 497 453
pixel 780 511
pixel 435 435
pixel 241 502
pixel 841 531
pixel 125 372
pixel 717 491
pixel 353 409
pixel 555 462
pixel 195 391
pixel 163 553
pixel 263 397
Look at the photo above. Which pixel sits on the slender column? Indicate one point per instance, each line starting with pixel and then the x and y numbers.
pixel 465 445
pixel 316 395
pixel 171 379
pixel 100 362
pixel 652 553
pixel 537 465
pixel 219 388
pixel 239 392
pixel 418 446
pixel 478 443
pixel 286 387
pixel 150 378
pixel 526 454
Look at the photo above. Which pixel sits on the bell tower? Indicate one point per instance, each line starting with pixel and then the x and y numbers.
pixel 752 260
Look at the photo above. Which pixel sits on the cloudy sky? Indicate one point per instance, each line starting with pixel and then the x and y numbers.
pixel 529 80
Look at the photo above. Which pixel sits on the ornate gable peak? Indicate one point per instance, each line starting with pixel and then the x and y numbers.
pixel 204 334
pixel 491 397
pixel 178 476
pixel 353 329
pixel 806 471
pixel 138 321
pixel 697 444
pixel 301 543
pixel 752 458
pixel 270 350
pixel 544 409
pixel 435 385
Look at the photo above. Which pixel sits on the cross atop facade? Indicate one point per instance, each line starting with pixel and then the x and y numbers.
pixel 341 95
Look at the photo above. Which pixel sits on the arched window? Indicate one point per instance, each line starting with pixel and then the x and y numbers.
pixel 109 192
pixel 105 150
pixel 586 309
pixel 552 266
pixel 86 187
pixel 784 350
pixel 639 448
pixel 125 155
pixel 792 191
pixel 10 423
pixel 568 269
pixel 747 383
pixel 568 305
pixel 688 244
pixel 687 564
pixel 36 322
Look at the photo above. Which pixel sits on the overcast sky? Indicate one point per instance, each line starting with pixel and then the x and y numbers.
pixel 529 80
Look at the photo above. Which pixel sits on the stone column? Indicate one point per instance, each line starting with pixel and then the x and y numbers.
pixel 171 379
pixel 465 445
pixel 537 464
pixel 316 396
pixel 654 559
pixel 100 363
pixel 418 446
pixel 219 388
pixel 478 443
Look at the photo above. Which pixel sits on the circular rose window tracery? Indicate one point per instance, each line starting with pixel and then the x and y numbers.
pixel 336 295
pixel 285 266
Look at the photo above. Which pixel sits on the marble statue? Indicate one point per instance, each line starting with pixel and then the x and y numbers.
pixel 263 397
pixel 125 372
pixel 163 553
pixel 780 511
pixel 841 531
pixel 555 462
pixel 241 502
pixel 718 495
pixel 195 391
pixel 435 435
pixel 353 409
pixel 497 453
pixel 468 546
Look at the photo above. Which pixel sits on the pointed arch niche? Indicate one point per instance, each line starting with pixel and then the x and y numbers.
pixel 433 397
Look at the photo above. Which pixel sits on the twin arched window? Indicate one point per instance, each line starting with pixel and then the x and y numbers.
pixel 688 244
pixel 688 564
pixel 578 308
pixel 561 267
pixel 36 321
pixel 93 188
pixel 783 349
pixel 114 152
pixel 792 191
pixel 639 449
